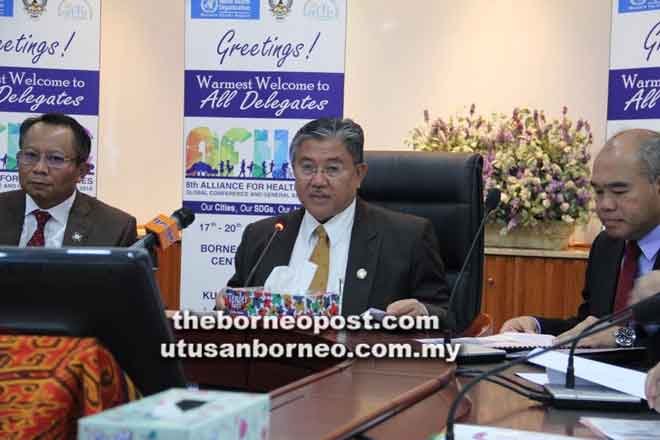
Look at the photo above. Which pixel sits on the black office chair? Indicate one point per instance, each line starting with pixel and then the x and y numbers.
pixel 446 188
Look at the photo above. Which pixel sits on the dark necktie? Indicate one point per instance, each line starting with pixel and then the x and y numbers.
pixel 627 275
pixel 38 238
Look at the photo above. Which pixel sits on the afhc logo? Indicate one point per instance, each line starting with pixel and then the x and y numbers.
pixel 225 9
pixel 626 6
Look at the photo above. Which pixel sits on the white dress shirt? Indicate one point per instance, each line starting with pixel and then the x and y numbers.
pixel 55 226
pixel 339 229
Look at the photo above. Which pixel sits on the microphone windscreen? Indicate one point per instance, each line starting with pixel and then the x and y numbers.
pixel 184 217
pixel 492 199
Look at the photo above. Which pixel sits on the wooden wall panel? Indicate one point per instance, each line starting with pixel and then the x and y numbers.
pixel 515 286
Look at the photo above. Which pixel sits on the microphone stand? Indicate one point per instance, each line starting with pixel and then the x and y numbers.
pixel 454 406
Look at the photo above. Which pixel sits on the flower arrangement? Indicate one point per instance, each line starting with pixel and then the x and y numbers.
pixel 541 166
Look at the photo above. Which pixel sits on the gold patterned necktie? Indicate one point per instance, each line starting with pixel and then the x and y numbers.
pixel 320 257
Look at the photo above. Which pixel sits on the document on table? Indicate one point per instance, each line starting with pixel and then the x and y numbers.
pixel 621 379
pixel 623 429
pixel 474 432
pixel 505 341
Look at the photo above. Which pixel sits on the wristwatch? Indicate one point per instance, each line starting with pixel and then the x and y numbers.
pixel 624 337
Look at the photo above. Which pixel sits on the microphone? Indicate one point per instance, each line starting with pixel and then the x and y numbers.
pixel 492 201
pixel 277 227
pixel 164 231
pixel 646 311
pixel 451 415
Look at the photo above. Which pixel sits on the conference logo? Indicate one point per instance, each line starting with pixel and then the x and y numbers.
pixel 35 8
pixel 324 10
pixel 79 10
pixel 280 8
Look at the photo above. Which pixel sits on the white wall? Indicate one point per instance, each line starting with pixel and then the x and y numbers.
pixel 402 58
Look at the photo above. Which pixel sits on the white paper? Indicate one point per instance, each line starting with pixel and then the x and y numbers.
pixel 621 379
pixel 535 378
pixel 502 340
pixel 623 429
pixel 462 431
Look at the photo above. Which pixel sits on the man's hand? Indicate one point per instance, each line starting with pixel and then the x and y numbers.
pixel 645 286
pixel 604 339
pixel 410 307
pixel 653 388
pixel 521 324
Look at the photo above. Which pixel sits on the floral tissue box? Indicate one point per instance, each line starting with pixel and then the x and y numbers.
pixel 251 302
pixel 183 414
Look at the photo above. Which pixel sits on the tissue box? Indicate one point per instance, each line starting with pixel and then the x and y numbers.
pixel 183 414
pixel 251 302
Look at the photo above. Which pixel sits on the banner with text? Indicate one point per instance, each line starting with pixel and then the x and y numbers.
pixel 634 76
pixel 255 72
pixel 49 54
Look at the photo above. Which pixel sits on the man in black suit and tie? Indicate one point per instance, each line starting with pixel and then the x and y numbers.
pixel 626 179
pixel 373 256
pixel 48 210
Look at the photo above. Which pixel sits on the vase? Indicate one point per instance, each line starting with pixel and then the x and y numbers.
pixel 549 235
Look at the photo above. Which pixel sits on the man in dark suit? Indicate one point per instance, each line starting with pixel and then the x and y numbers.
pixel 376 257
pixel 626 180
pixel 48 210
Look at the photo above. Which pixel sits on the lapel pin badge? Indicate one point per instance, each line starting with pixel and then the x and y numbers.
pixel 361 273
pixel 77 236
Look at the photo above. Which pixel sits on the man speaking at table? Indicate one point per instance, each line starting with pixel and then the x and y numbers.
pixel 373 256
pixel 48 210
pixel 626 179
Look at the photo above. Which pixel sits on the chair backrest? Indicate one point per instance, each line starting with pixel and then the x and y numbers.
pixel 446 188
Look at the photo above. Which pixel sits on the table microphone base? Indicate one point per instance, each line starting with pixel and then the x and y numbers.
pixel 593 397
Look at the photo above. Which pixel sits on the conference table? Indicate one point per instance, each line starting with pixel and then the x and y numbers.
pixel 379 398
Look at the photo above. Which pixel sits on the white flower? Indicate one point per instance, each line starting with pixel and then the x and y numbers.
pixel 546 203
pixel 543 196
pixel 569 185
pixel 567 218
pixel 564 207
pixel 504 198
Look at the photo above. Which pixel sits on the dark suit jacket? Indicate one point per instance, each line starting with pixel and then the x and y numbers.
pixel 398 251
pixel 96 223
pixel 601 280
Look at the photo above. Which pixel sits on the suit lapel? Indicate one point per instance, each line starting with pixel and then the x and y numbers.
pixel 362 262
pixel 609 284
pixel 78 225
pixel 10 232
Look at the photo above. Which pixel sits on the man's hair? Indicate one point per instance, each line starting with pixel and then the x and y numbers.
pixel 81 140
pixel 649 156
pixel 348 132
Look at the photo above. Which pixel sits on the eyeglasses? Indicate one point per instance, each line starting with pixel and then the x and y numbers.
pixel 331 171
pixel 30 158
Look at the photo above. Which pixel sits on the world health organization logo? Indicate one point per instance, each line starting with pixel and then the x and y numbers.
pixel 209 6
pixel 35 8
pixel 280 8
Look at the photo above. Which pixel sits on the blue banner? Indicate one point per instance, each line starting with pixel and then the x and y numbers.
pixel 234 208
pixel 634 94
pixel 6 8
pixel 626 6
pixel 284 95
pixel 30 90
pixel 225 9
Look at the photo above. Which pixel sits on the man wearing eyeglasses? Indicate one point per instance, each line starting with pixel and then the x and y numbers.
pixel 48 210
pixel 373 256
